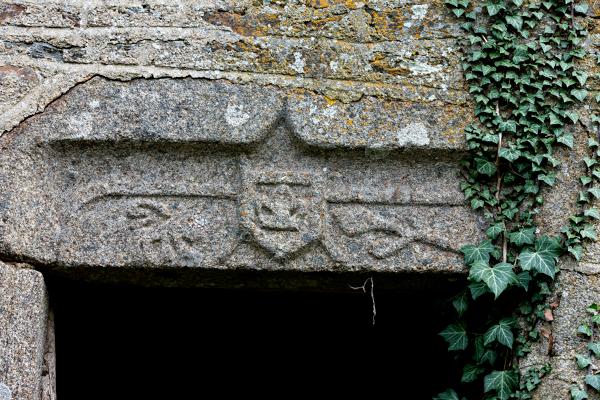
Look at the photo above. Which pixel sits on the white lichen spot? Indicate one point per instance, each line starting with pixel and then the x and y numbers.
pixel 419 11
pixel 94 104
pixel 415 134
pixel 417 68
pixel 333 65
pixel 299 63
pixel 235 115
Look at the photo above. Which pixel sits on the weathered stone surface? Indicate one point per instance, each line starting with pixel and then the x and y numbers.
pixel 23 316
pixel 212 174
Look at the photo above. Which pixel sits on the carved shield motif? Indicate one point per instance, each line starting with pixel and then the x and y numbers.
pixel 283 211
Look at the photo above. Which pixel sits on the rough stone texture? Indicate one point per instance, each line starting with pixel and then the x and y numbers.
pixel 212 174
pixel 23 317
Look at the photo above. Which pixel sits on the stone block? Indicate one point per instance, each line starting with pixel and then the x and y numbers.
pixel 23 319
pixel 211 174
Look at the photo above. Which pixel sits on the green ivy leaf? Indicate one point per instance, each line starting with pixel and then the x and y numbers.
pixel 581 76
pixel 595 348
pixel 509 154
pixel 582 361
pixel 456 337
pixel 497 278
pixel 515 21
pixel 478 289
pixel 593 381
pixel 584 329
pixel 480 252
pixel 485 167
pixel 494 230
pixel 579 94
pixel 493 8
pixel 503 382
pixel 540 261
pixel 576 251
pixel 471 373
pixel 461 303
pixel 508 126
pixel 447 395
pixel 595 192
pixel 588 232
pixel 523 236
pixel 578 394
pixel 567 140
pixel 482 354
pixel 592 213
pixel 502 333
pixel 523 279
pixel 581 8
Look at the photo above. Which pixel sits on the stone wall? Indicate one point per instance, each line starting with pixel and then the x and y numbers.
pixel 308 136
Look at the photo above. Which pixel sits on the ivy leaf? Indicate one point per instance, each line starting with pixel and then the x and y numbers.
pixel 567 140
pixel 503 382
pixel 508 126
pixel 509 154
pixel 581 76
pixel 592 213
pixel 480 252
pixel 493 9
pixel 593 381
pixel 595 348
pixel 478 289
pixel 471 373
pixel 496 278
pixel 485 167
pixel 523 279
pixel 447 395
pixel 595 192
pixel 584 329
pixel 496 229
pixel 549 179
pixel 581 8
pixel 456 337
pixel 582 361
pixel 578 394
pixel 515 21
pixel 588 232
pixel 501 333
pixel 541 262
pixel 576 251
pixel 483 354
pixel 549 245
pixel 579 94
pixel 523 236
pixel 461 303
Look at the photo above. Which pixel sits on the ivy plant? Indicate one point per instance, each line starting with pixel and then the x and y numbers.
pixel 521 67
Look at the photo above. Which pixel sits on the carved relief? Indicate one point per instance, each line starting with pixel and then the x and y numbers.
pixel 242 181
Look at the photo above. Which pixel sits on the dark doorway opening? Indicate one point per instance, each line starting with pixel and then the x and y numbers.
pixel 129 342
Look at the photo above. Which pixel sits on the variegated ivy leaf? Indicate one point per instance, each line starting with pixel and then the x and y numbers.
pixel 494 230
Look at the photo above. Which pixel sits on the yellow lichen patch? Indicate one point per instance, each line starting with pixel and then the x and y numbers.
pixel 330 101
pixel 350 122
pixel 381 63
